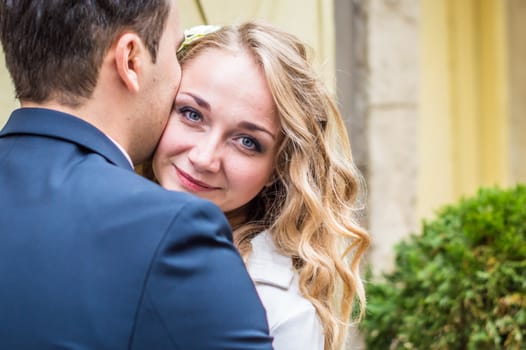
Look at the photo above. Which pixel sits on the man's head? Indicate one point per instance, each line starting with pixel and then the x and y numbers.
pixel 112 63
pixel 54 48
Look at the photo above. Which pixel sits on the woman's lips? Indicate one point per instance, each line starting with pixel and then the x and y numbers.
pixel 192 184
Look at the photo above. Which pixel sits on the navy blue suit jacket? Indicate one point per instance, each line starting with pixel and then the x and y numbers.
pixel 93 256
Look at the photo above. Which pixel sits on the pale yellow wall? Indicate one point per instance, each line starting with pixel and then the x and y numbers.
pixel 436 175
pixel 464 100
pixel 310 20
pixel 494 93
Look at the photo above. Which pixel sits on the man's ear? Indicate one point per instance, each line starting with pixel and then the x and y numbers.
pixel 130 53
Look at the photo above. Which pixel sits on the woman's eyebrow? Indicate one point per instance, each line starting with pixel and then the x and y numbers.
pixel 255 127
pixel 201 102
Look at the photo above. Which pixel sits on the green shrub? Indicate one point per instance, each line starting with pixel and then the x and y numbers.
pixel 461 284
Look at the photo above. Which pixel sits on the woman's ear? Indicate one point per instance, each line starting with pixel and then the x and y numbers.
pixel 129 55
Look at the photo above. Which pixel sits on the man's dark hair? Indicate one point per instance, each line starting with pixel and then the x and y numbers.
pixel 54 48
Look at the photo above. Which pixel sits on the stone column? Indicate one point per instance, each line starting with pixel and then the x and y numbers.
pixel 393 41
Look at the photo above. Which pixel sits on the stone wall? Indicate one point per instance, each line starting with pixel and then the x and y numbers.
pixel 393 124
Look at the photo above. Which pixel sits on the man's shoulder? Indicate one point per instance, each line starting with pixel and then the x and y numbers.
pixel 124 189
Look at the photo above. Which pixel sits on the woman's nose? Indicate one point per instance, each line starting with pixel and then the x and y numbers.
pixel 205 155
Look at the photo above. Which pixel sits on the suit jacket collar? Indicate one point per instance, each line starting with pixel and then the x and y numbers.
pixel 51 123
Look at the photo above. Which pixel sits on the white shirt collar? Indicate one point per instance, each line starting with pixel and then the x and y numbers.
pixel 266 265
pixel 122 150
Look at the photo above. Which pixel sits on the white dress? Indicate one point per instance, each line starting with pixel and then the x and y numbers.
pixel 292 319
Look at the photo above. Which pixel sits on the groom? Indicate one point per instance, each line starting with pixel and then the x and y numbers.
pixel 93 256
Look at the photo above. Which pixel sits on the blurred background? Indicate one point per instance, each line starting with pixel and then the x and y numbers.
pixel 433 93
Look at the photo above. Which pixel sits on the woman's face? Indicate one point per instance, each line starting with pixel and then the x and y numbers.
pixel 221 139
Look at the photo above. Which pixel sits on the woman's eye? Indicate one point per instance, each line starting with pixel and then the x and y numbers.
pixel 191 114
pixel 250 144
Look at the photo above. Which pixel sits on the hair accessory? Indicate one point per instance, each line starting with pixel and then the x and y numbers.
pixel 196 32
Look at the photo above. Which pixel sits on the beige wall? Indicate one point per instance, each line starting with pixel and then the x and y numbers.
pixel 516 12
pixel 446 108
pixel 7 95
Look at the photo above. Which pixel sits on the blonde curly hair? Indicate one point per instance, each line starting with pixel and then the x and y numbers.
pixel 310 207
